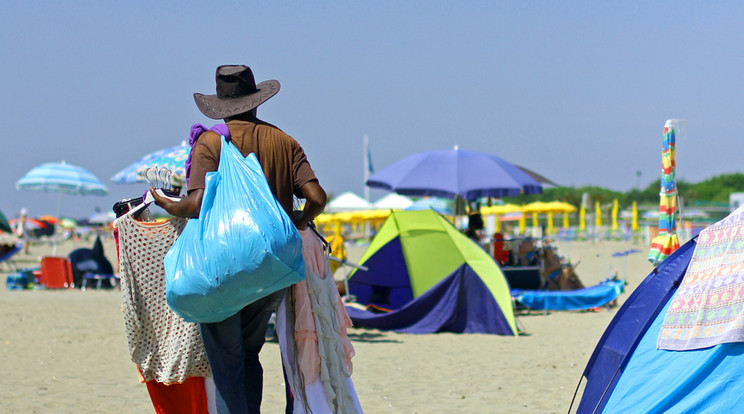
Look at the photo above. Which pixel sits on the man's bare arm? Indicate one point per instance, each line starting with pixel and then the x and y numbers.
pixel 188 207
pixel 315 200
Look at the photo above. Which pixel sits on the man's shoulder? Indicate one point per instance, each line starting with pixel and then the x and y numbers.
pixel 272 132
pixel 210 139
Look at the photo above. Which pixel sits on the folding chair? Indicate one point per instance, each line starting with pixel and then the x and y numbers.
pixel 7 257
pixel 56 273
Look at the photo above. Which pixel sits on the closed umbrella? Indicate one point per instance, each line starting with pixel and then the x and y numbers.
pixel 666 242
pixel 61 177
pixel 450 173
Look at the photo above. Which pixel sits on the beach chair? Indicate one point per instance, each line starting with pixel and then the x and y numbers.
pixel 523 277
pixel 110 280
pixel 7 257
pixel 56 273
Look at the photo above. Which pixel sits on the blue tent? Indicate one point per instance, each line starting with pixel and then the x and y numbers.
pixel 432 278
pixel 628 374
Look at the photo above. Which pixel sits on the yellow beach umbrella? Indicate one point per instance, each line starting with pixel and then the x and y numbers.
pixel 522 223
pixel 634 223
pixel 566 224
pixel 598 215
pixel 582 218
pixel 500 210
pixel 551 228
pixel 561 207
pixel 614 214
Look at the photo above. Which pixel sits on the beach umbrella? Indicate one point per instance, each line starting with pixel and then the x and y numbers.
pixel 172 157
pixel 61 177
pixel 500 209
pixel 4 225
pixel 666 242
pixel 551 225
pixel 449 173
pixel 634 222
pixel 440 205
pixel 174 162
pixel 68 223
pixel 522 223
pixel 614 214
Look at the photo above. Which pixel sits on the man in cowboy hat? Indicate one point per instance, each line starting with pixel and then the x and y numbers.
pixel 233 345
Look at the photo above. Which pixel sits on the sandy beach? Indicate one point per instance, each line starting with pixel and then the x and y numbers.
pixel 64 351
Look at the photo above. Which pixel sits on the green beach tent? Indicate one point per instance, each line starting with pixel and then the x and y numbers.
pixel 432 277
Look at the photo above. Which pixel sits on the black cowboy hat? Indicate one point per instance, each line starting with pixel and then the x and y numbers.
pixel 237 92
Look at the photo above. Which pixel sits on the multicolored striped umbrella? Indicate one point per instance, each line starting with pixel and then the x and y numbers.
pixel 129 174
pixel 173 161
pixel 666 242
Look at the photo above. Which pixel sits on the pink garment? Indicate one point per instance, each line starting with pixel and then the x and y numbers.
pixel 306 338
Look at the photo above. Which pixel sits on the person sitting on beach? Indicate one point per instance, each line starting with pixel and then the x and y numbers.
pixel 524 254
pixel 558 275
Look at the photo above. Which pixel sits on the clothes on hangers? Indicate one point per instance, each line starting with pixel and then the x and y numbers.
pixel 312 328
pixel 168 352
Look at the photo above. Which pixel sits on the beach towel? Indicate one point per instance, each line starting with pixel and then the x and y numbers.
pixel 708 308
pixel 312 330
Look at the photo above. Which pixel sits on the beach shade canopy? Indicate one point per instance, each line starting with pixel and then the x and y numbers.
pixel 61 177
pixel 173 158
pixel 393 201
pixel 347 201
pixel 666 241
pixel 449 173
pixel 676 345
pixel 432 277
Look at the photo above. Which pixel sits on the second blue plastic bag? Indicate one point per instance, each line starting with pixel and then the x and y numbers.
pixel 242 247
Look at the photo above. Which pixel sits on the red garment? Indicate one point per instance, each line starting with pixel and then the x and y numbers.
pixel 184 398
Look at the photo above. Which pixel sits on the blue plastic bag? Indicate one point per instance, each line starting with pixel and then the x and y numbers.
pixel 242 247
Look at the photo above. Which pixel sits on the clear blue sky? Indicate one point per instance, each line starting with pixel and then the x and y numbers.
pixel 577 91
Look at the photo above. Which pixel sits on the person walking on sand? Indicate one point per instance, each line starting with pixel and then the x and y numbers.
pixel 233 345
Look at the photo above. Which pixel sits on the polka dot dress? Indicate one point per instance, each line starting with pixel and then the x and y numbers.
pixel 166 348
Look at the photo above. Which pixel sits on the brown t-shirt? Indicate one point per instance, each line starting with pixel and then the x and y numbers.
pixel 281 157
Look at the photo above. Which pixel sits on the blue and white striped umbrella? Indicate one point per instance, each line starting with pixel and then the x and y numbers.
pixel 129 175
pixel 61 177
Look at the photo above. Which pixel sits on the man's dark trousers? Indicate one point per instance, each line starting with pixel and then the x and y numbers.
pixel 232 349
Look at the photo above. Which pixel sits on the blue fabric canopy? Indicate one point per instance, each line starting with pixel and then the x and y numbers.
pixel 448 173
pixel 460 303
pixel 629 325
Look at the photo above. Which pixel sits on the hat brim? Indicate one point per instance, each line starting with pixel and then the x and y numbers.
pixel 215 108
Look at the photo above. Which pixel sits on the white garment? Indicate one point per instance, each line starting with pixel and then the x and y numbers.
pixel 317 403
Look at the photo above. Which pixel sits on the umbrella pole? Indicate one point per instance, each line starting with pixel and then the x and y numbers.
pixel 59 204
